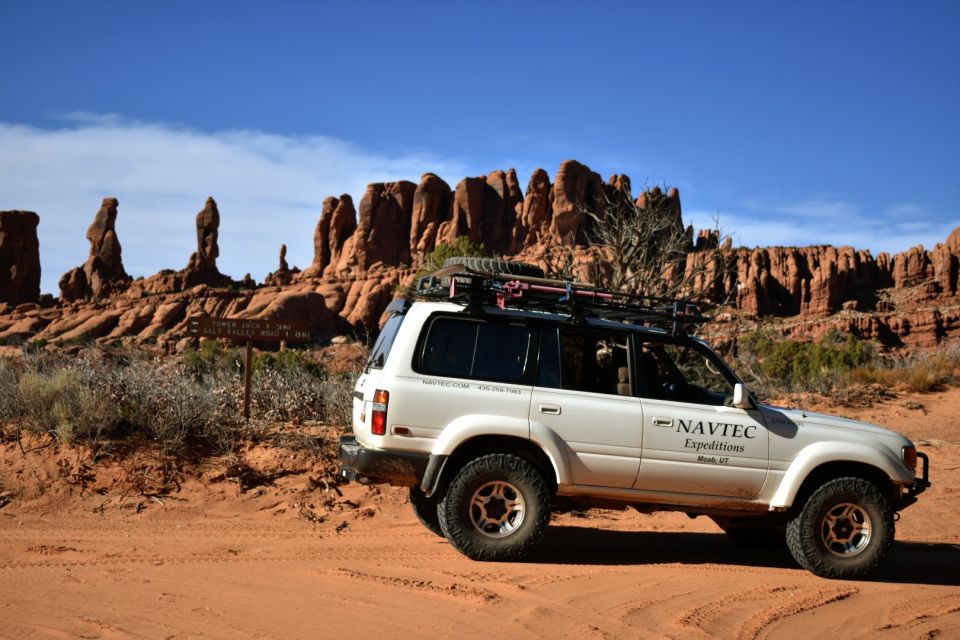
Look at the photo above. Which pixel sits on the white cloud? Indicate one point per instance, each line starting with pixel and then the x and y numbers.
pixel 269 189
pixel 847 226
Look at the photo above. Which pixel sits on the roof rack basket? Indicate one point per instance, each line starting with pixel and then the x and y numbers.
pixel 474 289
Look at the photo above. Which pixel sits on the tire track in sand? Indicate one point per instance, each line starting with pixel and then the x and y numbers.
pixel 809 600
pixel 454 590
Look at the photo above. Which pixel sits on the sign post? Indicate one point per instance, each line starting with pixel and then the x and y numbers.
pixel 249 330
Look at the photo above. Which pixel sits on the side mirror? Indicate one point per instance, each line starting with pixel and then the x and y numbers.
pixel 741 397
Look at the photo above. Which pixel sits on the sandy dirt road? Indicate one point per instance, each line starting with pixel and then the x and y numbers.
pixel 217 564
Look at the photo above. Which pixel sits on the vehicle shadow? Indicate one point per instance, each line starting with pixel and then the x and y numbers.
pixel 907 563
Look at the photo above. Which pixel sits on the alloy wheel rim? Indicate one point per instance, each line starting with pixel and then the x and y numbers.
pixel 497 509
pixel 846 530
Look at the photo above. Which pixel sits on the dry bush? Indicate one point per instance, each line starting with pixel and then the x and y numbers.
pixel 173 407
pixel 338 399
pixel 10 402
pixel 193 406
pixel 287 395
pixel 921 374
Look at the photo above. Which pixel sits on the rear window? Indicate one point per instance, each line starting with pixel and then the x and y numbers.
pixel 381 348
pixel 461 348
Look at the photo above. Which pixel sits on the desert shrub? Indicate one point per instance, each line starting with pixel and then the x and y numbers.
pixel 190 405
pixel 74 402
pixel 10 406
pixel 212 358
pixel 461 246
pixel 289 393
pixel 922 373
pixel 288 360
pixel 338 399
pixel 174 407
pixel 432 261
pixel 792 364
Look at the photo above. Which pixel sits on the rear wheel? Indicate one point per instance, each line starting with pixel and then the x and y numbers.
pixel 843 530
pixel 426 510
pixel 496 508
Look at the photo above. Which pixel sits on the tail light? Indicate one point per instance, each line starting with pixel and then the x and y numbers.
pixel 910 457
pixel 378 419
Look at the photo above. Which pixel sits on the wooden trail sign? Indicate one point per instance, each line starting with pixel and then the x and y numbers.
pixel 259 330
pixel 249 330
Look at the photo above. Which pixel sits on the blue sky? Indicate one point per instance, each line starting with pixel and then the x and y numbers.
pixel 798 124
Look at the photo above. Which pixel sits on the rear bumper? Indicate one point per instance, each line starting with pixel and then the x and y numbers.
pixel 401 468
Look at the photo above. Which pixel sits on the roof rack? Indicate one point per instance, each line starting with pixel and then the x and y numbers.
pixel 474 289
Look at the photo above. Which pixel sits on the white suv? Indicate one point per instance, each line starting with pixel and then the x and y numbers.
pixel 518 394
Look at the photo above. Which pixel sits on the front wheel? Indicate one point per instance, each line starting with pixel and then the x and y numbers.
pixel 844 530
pixel 496 508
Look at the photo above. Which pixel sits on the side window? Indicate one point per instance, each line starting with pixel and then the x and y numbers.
pixel 590 361
pixel 681 373
pixel 548 375
pixel 381 348
pixel 460 348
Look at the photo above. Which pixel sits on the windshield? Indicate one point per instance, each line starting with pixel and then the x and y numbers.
pixel 381 348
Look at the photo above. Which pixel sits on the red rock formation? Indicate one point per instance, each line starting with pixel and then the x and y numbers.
pixel 321 240
pixel 904 300
pixel 382 236
pixel 202 267
pixel 944 263
pixel 19 257
pixel 910 266
pixel 500 201
pixel 284 275
pixel 621 182
pixel 467 216
pixel 953 242
pixel 537 212
pixel 431 207
pixel 343 224
pixel 103 273
pixel 574 188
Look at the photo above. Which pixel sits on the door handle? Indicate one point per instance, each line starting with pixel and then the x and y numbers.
pixel 551 409
pixel 662 422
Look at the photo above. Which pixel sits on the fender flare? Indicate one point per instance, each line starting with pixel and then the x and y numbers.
pixel 821 453
pixel 468 427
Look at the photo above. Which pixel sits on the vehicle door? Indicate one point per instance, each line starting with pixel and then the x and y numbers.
pixel 693 441
pixel 583 393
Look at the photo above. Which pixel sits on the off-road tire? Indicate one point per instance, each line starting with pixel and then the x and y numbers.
pixel 804 537
pixel 454 510
pixel 426 510
pixel 496 265
pixel 754 532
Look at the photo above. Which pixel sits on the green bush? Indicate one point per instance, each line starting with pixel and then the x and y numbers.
pixel 213 358
pixel 804 365
pixel 461 246
pixel 73 403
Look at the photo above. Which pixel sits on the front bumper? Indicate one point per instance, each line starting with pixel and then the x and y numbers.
pixel 919 485
pixel 401 468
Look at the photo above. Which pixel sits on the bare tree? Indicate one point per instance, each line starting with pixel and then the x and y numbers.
pixel 641 247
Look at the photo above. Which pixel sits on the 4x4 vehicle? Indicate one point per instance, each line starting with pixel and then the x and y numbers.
pixel 514 394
